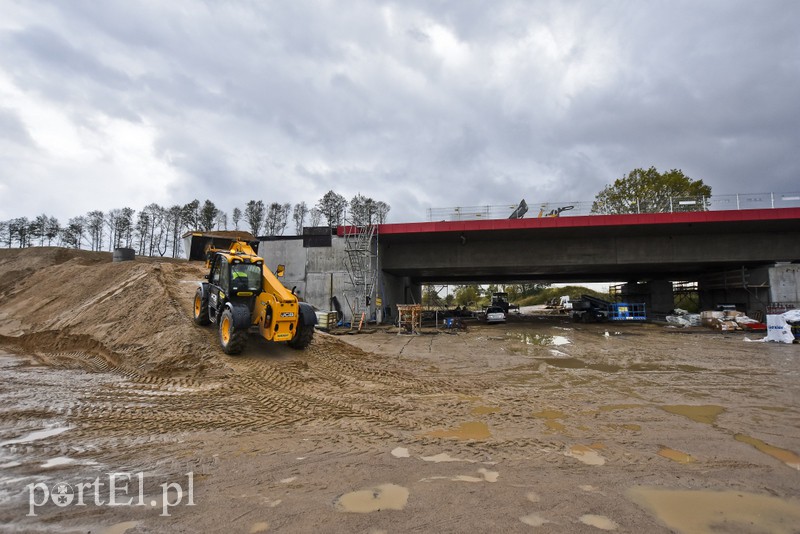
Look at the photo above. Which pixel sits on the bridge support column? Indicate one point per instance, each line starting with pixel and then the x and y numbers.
pixel 396 290
pixel 656 294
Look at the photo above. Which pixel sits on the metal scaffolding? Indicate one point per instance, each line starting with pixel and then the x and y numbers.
pixel 361 264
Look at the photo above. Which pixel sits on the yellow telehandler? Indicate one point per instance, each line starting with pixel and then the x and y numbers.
pixel 241 294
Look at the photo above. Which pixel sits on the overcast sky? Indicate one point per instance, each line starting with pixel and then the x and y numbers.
pixel 107 104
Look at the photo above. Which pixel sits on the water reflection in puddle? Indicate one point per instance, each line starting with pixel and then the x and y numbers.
pixel 706 414
pixel 708 512
pixel 788 457
pixel 676 455
pixel 469 430
pixel 550 419
pixel 37 435
pixel 383 497
pixel 585 454
pixel 598 521
pixel 541 340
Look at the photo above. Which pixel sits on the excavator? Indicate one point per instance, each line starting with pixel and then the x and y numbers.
pixel 242 294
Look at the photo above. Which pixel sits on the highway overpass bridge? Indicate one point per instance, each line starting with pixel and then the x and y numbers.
pixel 747 257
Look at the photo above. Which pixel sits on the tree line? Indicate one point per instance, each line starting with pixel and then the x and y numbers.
pixel 156 230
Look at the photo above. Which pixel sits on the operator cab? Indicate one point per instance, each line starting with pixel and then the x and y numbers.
pixel 234 279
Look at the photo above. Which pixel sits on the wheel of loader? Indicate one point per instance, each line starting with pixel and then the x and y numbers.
pixel 305 332
pixel 231 339
pixel 200 309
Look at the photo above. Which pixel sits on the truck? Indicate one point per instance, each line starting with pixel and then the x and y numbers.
pixel 500 300
pixel 591 309
pixel 242 295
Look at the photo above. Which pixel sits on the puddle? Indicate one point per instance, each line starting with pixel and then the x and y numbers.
pixel 444 457
pixel 575 363
pixel 486 476
pixel 469 430
pixel 400 452
pixel 383 497
pixel 54 462
pixel 706 414
pixel 676 456
pixel 533 520
pixel 710 512
pixel 541 340
pixel 585 454
pixel 119 528
pixel 485 410
pixel 786 456
pixel 36 435
pixel 550 417
pixel 598 521
pixel 261 526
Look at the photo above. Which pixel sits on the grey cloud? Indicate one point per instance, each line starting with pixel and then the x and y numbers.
pixel 13 130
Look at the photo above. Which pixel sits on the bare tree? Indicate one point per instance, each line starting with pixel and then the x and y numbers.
pixel 332 206
pixel 174 220
pixel 142 230
pixel 52 229
pixel 19 229
pixel 221 221
pixel 316 216
pixel 362 210
pixel 277 217
pixel 299 217
pixel 95 226
pixel 237 216
pixel 5 235
pixel 254 216
pixel 72 234
pixel 381 211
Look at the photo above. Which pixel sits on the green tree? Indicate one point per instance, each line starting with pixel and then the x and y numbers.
pixel 466 295
pixel 649 191
pixel 208 216
pixel 430 297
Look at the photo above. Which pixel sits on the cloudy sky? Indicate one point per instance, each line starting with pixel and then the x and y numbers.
pixel 107 104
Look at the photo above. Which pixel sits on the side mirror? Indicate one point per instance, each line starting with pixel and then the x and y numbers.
pixel 279 272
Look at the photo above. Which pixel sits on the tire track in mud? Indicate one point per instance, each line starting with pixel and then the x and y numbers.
pixel 324 387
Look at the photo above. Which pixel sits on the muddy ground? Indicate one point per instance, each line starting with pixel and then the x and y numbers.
pixel 537 425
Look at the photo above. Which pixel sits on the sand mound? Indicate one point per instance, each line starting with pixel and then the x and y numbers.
pixel 133 315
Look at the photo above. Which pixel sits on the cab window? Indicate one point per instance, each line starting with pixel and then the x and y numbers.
pixel 224 278
pixel 215 271
pixel 246 277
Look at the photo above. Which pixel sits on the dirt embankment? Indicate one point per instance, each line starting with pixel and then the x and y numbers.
pixel 77 308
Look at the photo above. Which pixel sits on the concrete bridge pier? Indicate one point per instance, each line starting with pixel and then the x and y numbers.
pixel 656 294
pixel 395 290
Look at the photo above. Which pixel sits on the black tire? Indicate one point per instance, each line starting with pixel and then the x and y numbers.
pixel 231 339
pixel 200 309
pixel 303 337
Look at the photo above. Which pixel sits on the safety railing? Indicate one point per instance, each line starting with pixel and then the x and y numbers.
pixel 739 201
